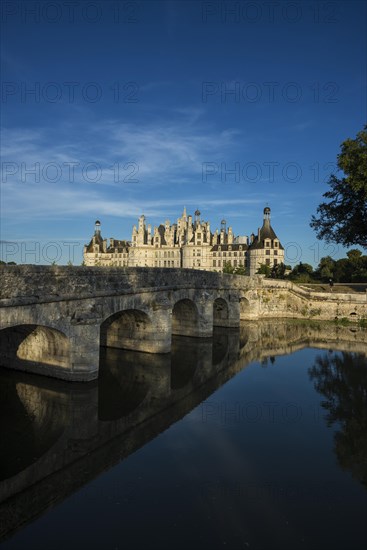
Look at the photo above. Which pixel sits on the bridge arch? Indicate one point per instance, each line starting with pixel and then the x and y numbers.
pixel 185 318
pixel 22 345
pixel 128 329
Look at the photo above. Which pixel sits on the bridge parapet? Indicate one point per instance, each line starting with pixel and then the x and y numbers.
pixel 28 284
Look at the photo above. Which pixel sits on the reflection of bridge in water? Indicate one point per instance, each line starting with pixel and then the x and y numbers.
pixel 61 436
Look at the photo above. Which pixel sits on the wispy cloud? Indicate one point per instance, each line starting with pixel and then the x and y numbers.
pixel 69 171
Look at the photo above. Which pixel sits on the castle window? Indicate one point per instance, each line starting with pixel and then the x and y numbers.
pixel 267 243
pixel 234 253
pixel 235 263
pixel 267 261
pixel 224 254
pixel 275 253
pixel 219 262
pixel 276 244
pixel 275 261
pixel 214 263
pixel 267 252
pixel 240 247
pixel 214 254
pixel 199 235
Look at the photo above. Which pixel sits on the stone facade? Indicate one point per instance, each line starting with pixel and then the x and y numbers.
pixel 189 243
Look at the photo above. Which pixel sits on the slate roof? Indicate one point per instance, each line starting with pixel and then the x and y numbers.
pixel 266 232
pixel 96 239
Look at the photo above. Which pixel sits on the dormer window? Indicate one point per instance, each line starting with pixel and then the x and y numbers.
pixel 276 244
pixel 267 244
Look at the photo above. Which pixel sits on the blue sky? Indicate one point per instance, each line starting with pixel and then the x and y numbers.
pixel 113 109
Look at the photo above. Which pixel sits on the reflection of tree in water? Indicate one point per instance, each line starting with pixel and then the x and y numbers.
pixel 342 379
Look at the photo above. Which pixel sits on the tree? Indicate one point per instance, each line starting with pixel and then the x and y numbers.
pixel 240 270
pixel 326 268
pixel 264 270
pixel 228 268
pixel 302 273
pixel 278 271
pixel 344 219
pixel 346 270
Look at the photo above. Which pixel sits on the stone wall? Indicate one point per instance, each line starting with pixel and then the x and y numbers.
pixel 277 298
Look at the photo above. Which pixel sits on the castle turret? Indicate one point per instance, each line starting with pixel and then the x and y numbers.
pixel 265 248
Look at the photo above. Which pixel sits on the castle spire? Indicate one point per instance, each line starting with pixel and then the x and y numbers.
pixel 267 216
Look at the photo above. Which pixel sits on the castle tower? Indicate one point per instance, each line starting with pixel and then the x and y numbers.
pixel 265 248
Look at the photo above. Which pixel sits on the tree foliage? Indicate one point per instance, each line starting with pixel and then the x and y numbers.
pixel 229 268
pixel 264 270
pixel 344 218
pixel 352 269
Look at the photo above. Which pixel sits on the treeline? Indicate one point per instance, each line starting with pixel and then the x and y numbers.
pixel 352 269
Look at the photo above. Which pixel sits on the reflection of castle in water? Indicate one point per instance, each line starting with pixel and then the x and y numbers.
pixel 61 436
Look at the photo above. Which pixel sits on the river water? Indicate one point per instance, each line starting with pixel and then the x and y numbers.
pixel 254 439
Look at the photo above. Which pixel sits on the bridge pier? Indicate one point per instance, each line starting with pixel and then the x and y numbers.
pixel 226 311
pixel 84 352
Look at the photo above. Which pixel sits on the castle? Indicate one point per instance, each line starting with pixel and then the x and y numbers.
pixel 189 243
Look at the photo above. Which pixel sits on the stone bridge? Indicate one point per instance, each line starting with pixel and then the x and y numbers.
pixel 53 320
